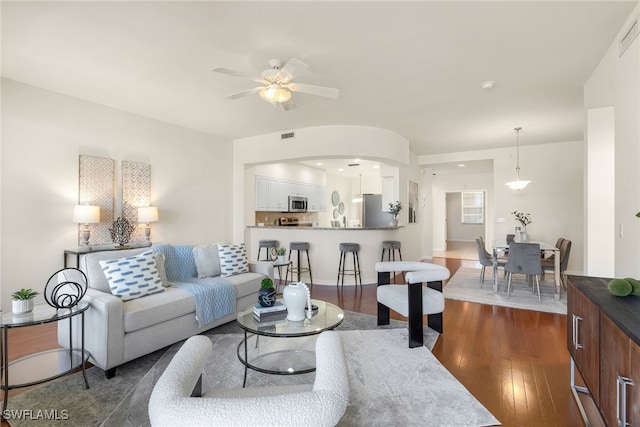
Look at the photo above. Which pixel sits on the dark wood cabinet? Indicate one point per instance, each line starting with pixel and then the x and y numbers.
pixel 611 370
pixel 583 334
pixel 615 373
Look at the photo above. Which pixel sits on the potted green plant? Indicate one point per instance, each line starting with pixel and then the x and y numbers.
pixel 267 293
pixel 281 251
pixel 394 210
pixel 22 301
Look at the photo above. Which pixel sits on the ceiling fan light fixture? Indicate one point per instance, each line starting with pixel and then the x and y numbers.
pixel 275 94
pixel 518 184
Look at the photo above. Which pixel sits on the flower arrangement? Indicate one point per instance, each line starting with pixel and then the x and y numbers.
pixel 522 218
pixel 395 208
pixel 281 251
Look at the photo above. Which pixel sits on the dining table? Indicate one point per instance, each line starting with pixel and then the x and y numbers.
pixel 545 248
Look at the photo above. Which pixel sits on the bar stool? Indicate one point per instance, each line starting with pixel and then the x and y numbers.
pixel 298 268
pixel 344 249
pixel 266 244
pixel 391 246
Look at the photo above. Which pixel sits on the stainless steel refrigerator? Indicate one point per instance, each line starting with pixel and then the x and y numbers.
pixel 372 215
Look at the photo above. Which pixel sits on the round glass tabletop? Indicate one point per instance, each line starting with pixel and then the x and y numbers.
pixel 328 316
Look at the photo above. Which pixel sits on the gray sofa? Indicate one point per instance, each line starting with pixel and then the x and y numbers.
pixel 118 331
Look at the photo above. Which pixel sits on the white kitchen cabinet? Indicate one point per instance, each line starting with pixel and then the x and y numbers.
pixel 262 193
pixel 271 194
pixel 316 198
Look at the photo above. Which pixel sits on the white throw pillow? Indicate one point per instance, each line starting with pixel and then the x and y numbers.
pixel 233 259
pixel 133 277
pixel 207 260
pixel 161 271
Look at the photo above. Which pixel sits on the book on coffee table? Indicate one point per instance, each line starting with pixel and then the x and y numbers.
pixel 277 308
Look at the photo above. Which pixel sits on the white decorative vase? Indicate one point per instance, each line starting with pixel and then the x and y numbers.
pixel 295 297
pixel 394 222
pixel 20 306
pixel 280 259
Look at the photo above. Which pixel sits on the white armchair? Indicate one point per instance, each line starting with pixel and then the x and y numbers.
pixel 320 404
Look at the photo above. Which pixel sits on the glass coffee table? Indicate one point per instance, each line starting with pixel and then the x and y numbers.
pixel 286 348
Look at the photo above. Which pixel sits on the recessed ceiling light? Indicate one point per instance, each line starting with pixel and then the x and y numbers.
pixel 356 160
pixel 319 164
pixel 340 170
pixel 461 165
pixel 488 84
pixel 376 166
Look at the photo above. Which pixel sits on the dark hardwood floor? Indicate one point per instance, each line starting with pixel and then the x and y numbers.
pixel 515 362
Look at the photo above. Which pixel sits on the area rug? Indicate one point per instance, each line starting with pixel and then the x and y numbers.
pixel 465 286
pixel 390 384
pixel 65 401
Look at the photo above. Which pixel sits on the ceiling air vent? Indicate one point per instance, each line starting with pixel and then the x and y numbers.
pixel 629 36
pixel 287 135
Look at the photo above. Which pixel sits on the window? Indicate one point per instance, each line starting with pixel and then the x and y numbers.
pixel 473 207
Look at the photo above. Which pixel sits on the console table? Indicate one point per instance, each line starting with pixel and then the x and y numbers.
pixel 47 365
pixel 83 250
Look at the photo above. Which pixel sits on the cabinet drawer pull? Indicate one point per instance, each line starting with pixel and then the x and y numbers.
pixel 576 344
pixel 621 400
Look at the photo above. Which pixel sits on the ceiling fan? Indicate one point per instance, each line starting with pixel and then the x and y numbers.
pixel 277 85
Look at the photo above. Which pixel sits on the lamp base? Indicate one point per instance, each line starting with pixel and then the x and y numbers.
pixel 84 235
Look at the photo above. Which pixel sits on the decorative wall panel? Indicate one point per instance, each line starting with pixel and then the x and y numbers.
pixel 96 187
pixel 136 192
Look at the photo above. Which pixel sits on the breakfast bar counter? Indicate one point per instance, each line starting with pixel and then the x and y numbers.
pixel 324 251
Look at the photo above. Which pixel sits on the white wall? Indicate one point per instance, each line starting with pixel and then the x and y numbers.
pixel 456 229
pixel 44 133
pixel 554 198
pixel 600 194
pixel 615 83
pixel 443 184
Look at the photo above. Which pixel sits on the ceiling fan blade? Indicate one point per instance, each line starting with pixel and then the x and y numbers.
pixel 290 69
pixel 328 92
pixel 234 73
pixel 244 93
pixel 288 106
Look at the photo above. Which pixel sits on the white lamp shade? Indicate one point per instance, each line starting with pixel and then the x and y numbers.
pixel 517 185
pixel 85 214
pixel 148 214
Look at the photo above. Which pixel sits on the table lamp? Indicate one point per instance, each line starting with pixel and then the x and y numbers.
pixel 85 215
pixel 146 215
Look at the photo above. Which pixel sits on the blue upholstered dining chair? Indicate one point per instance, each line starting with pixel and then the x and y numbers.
pixel 524 258
pixel 485 259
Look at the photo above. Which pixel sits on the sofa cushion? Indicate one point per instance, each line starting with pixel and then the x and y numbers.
pixel 207 260
pixel 233 259
pixel 245 284
pixel 157 308
pixel 133 277
pixel 161 270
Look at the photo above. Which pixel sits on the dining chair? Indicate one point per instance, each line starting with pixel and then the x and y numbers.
pixel 548 263
pixel 524 258
pixel 485 259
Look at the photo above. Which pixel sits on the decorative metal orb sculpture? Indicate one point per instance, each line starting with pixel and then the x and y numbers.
pixel 65 288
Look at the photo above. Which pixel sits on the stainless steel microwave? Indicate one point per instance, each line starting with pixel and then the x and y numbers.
pixel 297 204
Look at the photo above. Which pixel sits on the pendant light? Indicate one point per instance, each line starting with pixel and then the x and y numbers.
pixel 358 198
pixel 518 184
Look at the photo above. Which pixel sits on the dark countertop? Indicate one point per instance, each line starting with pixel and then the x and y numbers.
pixel 623 311
pixel 326 228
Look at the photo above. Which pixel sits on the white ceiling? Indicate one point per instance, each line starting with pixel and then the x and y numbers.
pixel 411 67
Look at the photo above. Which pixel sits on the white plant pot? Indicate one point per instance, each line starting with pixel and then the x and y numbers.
pixel 280 259
pixel 21 306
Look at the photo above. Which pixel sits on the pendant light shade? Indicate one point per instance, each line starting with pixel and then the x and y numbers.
pixel 518 184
